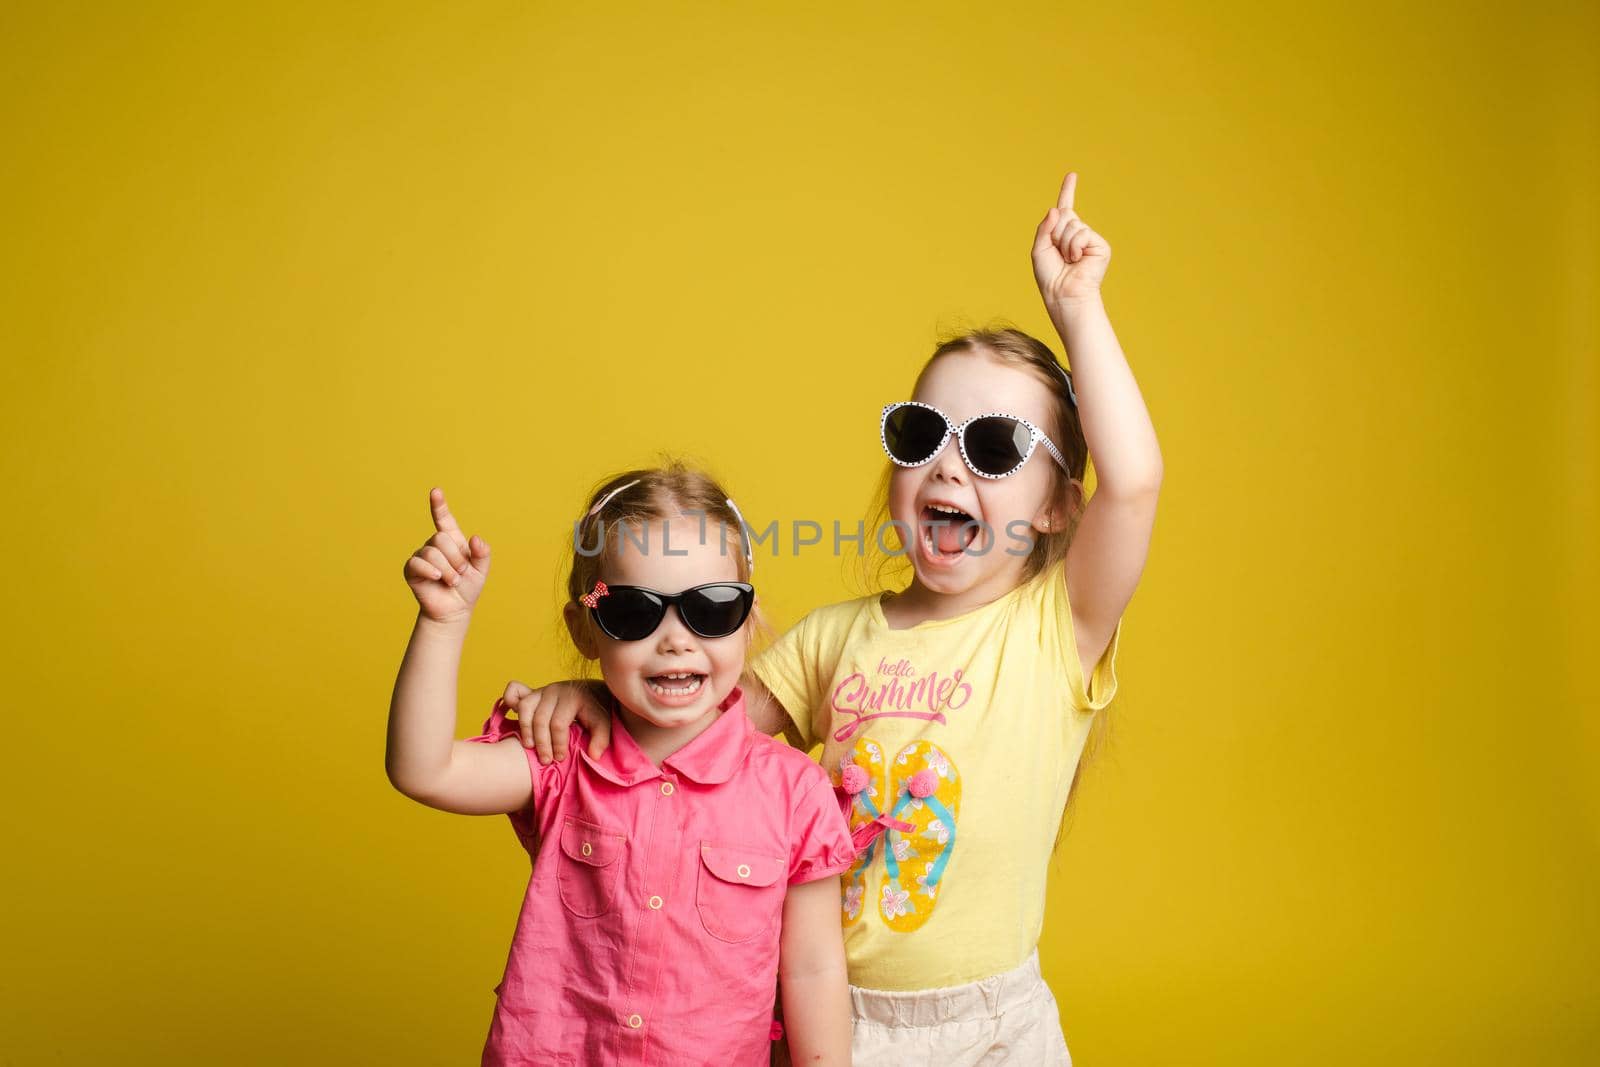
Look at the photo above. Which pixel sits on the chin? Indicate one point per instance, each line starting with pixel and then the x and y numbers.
pixel 670 718
pixel 945 582
pixel 946 574
pixel 959 576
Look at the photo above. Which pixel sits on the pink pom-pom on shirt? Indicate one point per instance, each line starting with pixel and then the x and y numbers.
pixel 854 779
pixel 924 782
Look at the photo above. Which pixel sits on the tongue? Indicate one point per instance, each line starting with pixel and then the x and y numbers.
pixel 950 538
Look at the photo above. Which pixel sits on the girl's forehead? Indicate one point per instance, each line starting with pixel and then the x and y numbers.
pixel 671 554
pixel 964 384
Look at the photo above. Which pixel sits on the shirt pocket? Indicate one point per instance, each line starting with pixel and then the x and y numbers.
pixel 740 893
pixel 588 871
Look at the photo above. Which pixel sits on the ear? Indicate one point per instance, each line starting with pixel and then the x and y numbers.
pixel 582 635
pixel 1054 514
pixel 1076 496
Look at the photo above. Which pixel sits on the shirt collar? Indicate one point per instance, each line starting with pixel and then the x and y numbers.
pixel 710 759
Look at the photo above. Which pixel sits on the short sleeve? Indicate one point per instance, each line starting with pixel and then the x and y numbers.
pixel 789 668
pixel 819 837
pixel 546 779
pixel 1059 640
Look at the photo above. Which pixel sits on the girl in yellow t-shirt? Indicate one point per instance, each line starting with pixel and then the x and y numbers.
pixel 952 714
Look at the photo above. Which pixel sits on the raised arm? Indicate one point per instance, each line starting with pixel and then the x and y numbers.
pixel 1112 541
pixel 422 757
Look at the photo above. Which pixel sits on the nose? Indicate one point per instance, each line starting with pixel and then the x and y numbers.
pixel 948 466
pixel 673 635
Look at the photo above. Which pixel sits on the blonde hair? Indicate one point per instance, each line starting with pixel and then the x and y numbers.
pixel 636 498
pixel 1006 344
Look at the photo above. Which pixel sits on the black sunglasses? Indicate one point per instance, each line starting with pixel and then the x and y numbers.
pixel 632 612
pixel 992 445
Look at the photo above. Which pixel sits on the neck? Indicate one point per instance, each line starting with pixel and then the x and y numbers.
pixel 659 742
pixel 917 603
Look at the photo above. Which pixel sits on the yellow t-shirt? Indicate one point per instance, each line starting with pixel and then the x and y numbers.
pixel 957 739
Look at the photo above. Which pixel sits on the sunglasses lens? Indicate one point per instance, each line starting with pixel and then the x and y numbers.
pixel 913 434
pixel 716 610
pixel 997 445
pixel 630 614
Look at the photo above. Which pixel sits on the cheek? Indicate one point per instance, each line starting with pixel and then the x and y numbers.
pixel 616 658
pixel 1007 500
pixel 728 655
pixel 902 491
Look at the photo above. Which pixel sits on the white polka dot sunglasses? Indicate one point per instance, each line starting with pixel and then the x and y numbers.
pixel 993 445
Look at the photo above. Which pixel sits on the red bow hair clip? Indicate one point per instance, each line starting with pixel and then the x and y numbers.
pixel 590 600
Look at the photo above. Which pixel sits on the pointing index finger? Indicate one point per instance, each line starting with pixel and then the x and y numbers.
pixel 443 521
pixel 1069 186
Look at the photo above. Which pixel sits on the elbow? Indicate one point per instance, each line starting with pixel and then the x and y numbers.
pixel 1156 469
pixel 1145 485
pixel 402 784
pixel 1152 471
pixel 1136 475
pixel 1146 481
pixel 410 784
pixel 822 968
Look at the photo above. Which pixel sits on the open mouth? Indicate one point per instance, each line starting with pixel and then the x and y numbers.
pixel 676 683
pixel 947 531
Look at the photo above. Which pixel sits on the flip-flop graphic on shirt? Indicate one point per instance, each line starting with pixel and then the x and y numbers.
pixel 863 771
pixel 912 824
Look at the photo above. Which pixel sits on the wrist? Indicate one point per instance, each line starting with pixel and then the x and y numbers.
pixel 454 626
pixel 1069 309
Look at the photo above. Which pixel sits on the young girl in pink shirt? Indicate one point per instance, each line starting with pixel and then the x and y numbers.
pixel 680 872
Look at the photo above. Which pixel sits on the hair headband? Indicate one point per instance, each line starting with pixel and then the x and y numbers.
pixel 744 539
pixel 603 501
pixel 749 557
pixel 1072 396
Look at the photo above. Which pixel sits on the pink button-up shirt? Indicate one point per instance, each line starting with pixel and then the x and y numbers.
pixel 649 932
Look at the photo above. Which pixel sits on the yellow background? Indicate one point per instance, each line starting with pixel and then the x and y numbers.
pixel 269 274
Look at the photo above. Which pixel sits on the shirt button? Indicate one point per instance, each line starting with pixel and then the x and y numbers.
pixel 744 871
pixel 635 1020
pixel 666 789
pixel 587 848
pixel 655 903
